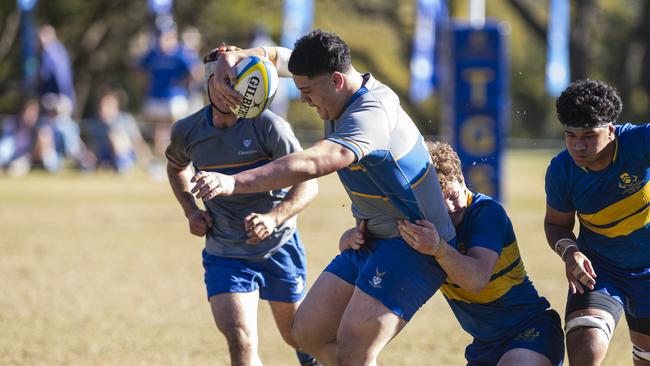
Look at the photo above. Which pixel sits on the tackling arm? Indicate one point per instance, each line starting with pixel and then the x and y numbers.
pixel 472 271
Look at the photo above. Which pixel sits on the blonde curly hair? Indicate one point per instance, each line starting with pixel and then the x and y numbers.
pixel 446 162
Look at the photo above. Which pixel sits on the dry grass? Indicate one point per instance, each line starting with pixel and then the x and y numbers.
pixel 101 270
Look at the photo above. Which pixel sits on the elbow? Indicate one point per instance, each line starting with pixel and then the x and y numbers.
pixel 478 284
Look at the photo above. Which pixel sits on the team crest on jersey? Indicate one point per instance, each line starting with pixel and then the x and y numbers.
pixel 376 279
pixel 246 142
pixel 529 335
pixel 629 183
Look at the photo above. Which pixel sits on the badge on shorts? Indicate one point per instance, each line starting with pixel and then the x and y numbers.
pixel 376 279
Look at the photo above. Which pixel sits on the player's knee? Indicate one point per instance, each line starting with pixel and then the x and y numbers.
pixel 640 355
pixel 238 336
pixel 604 326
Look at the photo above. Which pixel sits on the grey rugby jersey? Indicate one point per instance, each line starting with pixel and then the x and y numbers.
pixel 248 144
pixel 393 176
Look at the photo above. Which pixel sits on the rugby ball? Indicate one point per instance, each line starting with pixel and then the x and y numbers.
pixel 257 82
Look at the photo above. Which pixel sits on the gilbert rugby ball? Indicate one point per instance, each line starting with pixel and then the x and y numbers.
pixel 257 82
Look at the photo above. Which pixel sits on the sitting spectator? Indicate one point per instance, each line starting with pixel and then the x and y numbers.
pixel 58 136
pixel 17 139
pixel 114 136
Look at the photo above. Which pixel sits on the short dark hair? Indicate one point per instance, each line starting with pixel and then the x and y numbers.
pixel 588 103
pixel 319 52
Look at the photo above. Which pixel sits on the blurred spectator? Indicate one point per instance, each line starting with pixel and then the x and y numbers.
pixel 280 104
pixel 114 136
pixel 58 136
pixel 17 139
pixel 191 43
pixel 55 73
pixel 169 71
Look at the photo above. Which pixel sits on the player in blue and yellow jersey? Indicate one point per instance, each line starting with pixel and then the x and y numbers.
pixel 602 177
pixel 487 288
pixel 252 247
pixel 363 298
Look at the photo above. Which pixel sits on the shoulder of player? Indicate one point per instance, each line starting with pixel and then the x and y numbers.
pixel 186 124
pixel 482 202
pixel 269 120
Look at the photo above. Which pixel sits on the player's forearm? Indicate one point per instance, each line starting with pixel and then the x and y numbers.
pixel 556 232
pixel 463 270
pixel 179 180
pixel 284 172
pixel 298 197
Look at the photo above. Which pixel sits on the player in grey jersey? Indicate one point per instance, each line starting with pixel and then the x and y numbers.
pixel 252 247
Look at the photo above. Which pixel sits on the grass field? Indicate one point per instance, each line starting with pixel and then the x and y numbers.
pixel 102 270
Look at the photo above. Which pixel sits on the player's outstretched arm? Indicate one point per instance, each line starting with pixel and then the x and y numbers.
pixel 471 272
pixel 321 159
pixel 558 227
pixel 259 226
pixel 179 180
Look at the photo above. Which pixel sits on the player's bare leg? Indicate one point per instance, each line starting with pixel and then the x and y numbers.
pixel 641 341
pixel 522 356
pixel 283 313
pixel 236 317
pixel 366 327
pixel 587 346
pixel 316 322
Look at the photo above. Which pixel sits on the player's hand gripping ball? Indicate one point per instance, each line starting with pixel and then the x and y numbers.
pixel 257 81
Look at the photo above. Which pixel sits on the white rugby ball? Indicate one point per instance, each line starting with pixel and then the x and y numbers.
pixel 257 82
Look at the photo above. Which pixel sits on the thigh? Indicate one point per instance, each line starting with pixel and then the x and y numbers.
pixel 320 312
pixel 367 325
pixel 235 312
pixel 522 356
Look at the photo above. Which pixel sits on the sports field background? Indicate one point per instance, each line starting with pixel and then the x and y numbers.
pixel 102 270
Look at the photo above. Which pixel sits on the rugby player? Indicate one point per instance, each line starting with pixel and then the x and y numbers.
pixel 602 178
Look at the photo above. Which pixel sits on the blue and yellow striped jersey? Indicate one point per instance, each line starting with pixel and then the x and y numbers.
pixel 611 204
pixel 509 297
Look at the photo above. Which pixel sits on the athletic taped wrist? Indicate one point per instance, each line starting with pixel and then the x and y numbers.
pixel 561 246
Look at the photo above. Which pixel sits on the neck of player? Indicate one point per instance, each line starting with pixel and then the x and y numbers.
pixel 223 120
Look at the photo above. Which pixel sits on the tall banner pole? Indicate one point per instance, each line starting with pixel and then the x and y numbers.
pixel 558 72
pixel 29 47
pixel 297 21
pixel 431 17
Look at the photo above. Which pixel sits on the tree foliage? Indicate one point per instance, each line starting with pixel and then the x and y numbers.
pixel 609 41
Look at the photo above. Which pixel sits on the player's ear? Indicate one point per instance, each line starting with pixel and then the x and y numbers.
pixel 338 79
pixel 612 130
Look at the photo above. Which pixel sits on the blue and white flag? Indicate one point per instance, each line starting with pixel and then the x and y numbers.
pixel 29 46
pixel 297 21
pixel 558 72
pixel 431 15
pixel 160 7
